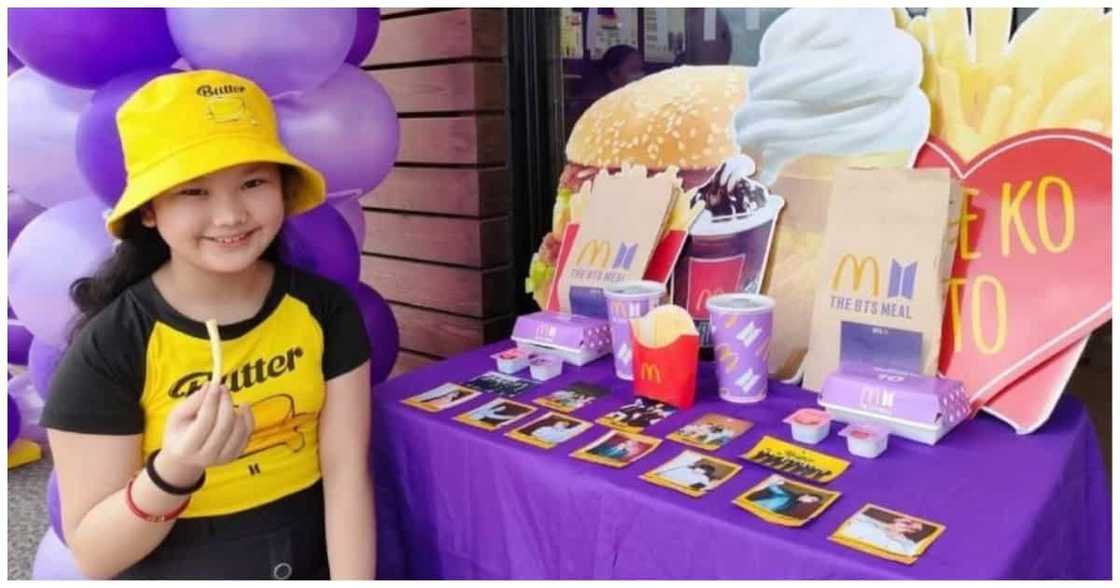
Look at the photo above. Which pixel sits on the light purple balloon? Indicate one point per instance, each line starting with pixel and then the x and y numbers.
pixel 53 560
pixel 54 506
pixel 281 49
pixel 19 342
pixel 61 245
pixel 30 407
pixel 381 326
pixel 99 152
pixel 355 216
pixel 20 212
pixel 86 47
pixel 365 35
pixel 42 361
pixel 42 126
pixel 320 241
pixel 347 129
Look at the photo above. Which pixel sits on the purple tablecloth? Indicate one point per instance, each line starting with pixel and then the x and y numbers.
pixel 459 502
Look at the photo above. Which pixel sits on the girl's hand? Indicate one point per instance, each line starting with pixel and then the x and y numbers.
pixel 202 431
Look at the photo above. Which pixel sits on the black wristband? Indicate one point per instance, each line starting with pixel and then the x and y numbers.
pixel 162 484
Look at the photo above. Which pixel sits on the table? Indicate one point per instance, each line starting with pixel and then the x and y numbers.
pixel 458 502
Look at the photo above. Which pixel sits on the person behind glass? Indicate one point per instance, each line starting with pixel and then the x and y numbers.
pixel 164 473
pixel 620 65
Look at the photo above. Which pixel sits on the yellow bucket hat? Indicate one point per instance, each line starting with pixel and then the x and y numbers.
pixel 180 126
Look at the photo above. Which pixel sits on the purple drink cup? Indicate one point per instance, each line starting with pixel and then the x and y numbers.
pixel 625 301
pixel 741 325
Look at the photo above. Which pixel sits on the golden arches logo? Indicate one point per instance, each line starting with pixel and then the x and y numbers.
pixel 600 253
pixel 726 357
pixel 705 294
pixel 858 269
pixel 650 373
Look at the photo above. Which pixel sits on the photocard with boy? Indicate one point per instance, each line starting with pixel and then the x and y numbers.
pixel 572 397
pixel 887 534
pixel 692 473
pixel 711 431
pixel 496 414
pixel 498 383
pixel 441 398
pixel 636 415
pixel 781 501
pixel 549 430
pixel 617 449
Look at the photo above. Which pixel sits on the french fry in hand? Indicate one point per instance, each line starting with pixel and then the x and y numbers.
pixel 215 350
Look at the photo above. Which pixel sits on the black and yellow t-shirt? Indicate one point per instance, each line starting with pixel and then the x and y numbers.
pixel 139 357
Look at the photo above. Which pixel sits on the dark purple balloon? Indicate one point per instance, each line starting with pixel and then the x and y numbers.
pixel 20 212
pixel 100 156
pixel 42 361
pixel 320 241
pixel 381 326
pixel 19 343
pixel 86 47
pixel 365 35
pixel 13 420
pixel 13 62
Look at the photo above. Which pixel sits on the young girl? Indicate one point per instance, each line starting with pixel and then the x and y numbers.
pixel 163 472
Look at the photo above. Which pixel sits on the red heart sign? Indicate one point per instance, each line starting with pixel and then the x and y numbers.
pixel 1033 269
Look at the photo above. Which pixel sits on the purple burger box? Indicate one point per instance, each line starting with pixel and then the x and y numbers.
pixel 576 339
pixel 914 406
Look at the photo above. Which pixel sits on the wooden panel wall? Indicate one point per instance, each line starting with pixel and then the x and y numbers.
pixel 437 243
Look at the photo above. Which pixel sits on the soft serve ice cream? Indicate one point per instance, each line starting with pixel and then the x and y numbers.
pixel 833 82
pixel 833 88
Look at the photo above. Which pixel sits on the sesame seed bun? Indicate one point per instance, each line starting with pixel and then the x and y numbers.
pixel 680 116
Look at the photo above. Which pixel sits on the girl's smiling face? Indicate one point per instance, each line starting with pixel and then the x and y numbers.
pixel 221 222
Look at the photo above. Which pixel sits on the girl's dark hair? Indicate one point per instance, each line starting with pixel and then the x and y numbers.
pixel 141 252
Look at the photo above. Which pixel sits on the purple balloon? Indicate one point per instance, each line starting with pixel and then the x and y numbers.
pixel 365 35
pixel 30 407
pixel 19 343
pixel 13 420
pixel 13 62
pixel 282 49
pixel 42 126
pixel 54 506
pixel 320 241
pixel 42 361
pixel 347 129
pixel 20 212
pixel 100 156
pixel 381 326
pixel 54 561
pixel 86 47
pixel 39 278
pixel 351 210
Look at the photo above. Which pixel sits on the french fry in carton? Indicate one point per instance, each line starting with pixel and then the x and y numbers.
pixel 666 352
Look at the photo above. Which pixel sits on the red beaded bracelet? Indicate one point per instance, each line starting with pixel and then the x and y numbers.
pixel 163 518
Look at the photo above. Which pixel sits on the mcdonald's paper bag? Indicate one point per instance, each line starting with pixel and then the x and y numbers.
pixel 884 268
pixel 666 354
pixel 621 222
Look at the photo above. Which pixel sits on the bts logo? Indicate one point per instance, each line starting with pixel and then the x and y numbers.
pixel 748 334
pixel 876 398
pixel 597 253
pixel 546 331
pixel 902 280
pixel 650 373
pixel 747 381
pixel 625 354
